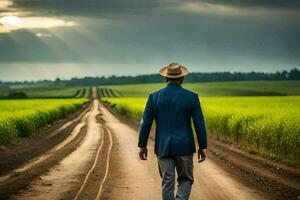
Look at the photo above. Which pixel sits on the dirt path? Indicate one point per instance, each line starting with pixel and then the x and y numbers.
pixel 131 178
pixel 66 175
pixel 99 160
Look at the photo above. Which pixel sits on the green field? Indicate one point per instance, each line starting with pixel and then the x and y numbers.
pixel 48 92
pixel 264 125
pixel 238 88
pixel 21 118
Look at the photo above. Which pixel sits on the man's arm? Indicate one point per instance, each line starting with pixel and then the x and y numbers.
pixel 200 128
pixel 146 124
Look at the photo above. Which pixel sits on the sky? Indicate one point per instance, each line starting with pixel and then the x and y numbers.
pixel 46 39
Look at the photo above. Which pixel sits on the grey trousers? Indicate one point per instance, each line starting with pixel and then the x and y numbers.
pixel 184 167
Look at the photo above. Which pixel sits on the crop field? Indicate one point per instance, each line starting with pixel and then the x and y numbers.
pixel 46 92
pixel 237 88
pixel 21 118
pixel 264 125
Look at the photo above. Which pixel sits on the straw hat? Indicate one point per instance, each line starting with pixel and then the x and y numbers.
pixel 174 70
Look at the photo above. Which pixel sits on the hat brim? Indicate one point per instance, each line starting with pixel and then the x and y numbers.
pixel 163 72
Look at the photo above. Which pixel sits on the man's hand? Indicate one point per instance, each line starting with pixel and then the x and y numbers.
pixel 201 155
pixel 143 153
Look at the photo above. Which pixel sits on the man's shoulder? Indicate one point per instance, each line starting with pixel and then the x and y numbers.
pixel 182 90
pixel 189 92
pixel 157 92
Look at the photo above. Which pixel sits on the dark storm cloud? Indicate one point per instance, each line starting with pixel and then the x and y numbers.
pixel 281 12
pixel 141 35
pixel 140 6
pixel 257 3
pixel 93 7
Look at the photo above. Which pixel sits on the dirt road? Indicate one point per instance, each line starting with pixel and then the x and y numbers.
pixel 131 178
pixel 105 165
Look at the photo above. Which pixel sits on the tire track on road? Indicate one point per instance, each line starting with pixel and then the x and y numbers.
pixel 92 168
pixel 83 173
pixel 63 179
pixel 107 165
pixel 21 177
pixel 92 187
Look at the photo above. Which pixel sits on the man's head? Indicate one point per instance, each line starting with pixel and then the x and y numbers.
pixel 174 73
pixel 175 80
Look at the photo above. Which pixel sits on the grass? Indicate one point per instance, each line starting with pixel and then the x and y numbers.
pixel 264 125
pixel 22 118
pixel 49 92
pixel 238 88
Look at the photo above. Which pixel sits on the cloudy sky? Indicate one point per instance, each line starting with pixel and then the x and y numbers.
pixel 44 39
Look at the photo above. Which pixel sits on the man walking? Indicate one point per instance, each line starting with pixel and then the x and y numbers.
pixel 173 107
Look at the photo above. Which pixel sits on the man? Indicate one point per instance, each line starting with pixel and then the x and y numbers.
pixel 173 107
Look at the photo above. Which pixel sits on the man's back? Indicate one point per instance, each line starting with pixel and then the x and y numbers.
pixel 173 108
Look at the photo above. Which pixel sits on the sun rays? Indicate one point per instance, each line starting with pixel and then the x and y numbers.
pixel 11 23
pixel 5 3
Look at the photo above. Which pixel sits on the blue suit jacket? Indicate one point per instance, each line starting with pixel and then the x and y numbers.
pixel 173 109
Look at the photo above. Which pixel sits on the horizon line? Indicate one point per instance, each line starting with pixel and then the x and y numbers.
pixel 137 75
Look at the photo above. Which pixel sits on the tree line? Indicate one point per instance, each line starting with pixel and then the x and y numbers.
pixel 293 74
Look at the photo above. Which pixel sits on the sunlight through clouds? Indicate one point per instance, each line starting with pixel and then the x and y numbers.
pixel 5 4
pixel 207 8
pixel 39 34
pixel 11 23
pixel 229 10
